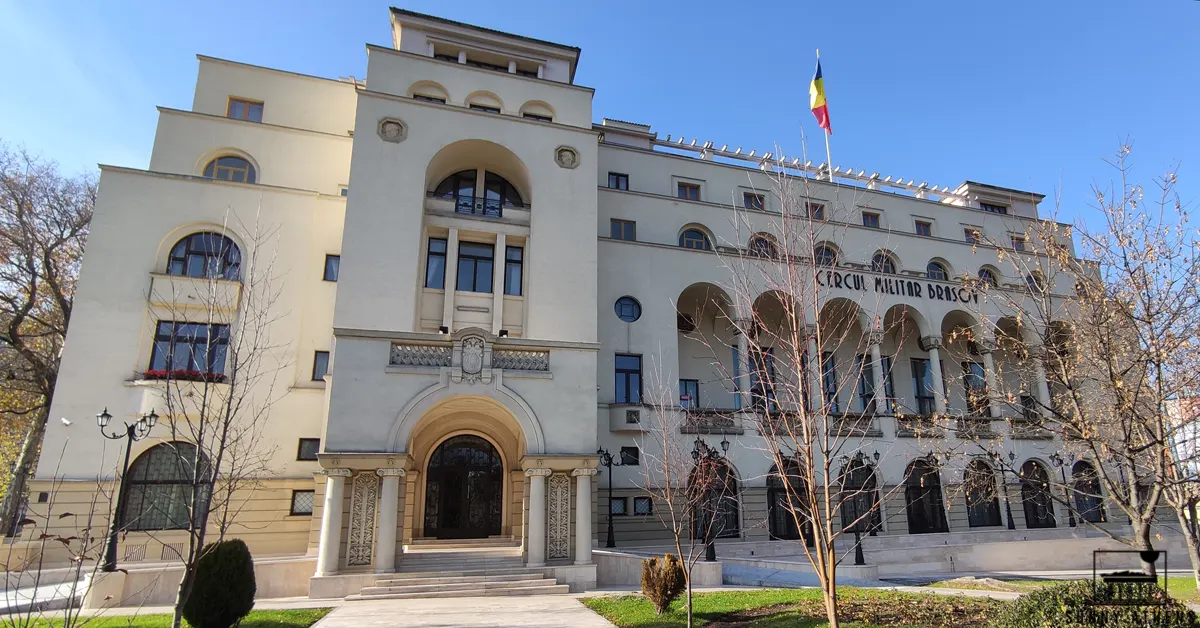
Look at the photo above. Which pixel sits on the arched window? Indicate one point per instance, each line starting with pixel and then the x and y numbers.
pixel 207 255
pixel 763 246
pixel 860 498
pixel 465 186
pixel 882 263
pixel 936 270
pixel 1089 501
pixel 988 278
pixel 983 507
pixel 785 505
pixel 716 492
pixel 923 499
pixel 824 256
pixel 230 168
pixel 158 489
pixel 1035 495
pixel 695 239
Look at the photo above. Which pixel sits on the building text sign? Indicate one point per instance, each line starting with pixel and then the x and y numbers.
pixel 901 287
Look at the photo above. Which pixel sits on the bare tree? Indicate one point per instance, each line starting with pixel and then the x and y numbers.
pixel 44 218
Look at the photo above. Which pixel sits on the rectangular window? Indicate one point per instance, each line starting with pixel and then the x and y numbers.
pixel 190 347
pixel 870 220
pixel 320 365
pixel 440 101
pixel 242 109
pixel 514 262
pixel 993 208
pixel 485 108
pixel 617 506
pixel 1029 408
pixel 971 235
pixel 975 388
pixel 924 228
pixel 889 387
pixel 737 375
pixel 829 381
pixel 623 229
pixel 689 393
pixel 762 378
pixel 475 262
pixel 753 201
pixel 1018 243
pixel 308 449
pixel 618 181
pixel 435 264
pixel 866 382
pixel 332 264
pixel 816 211
pixel 538 117
pixel 630 456
pixel 643 506
pixel 689 191
pixel 923 389
pixel 302 503
pixel 343 190
pixel 629 378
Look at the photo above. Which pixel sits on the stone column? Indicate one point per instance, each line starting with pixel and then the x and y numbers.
pixel 986 347
pixel 743 366
pixel 814 370
pixel 389 505
pixel 583 515
pixel 331 522
pixel 499 261
pixel 932 344
pixel 537 516
pixel 879 396
pixel 451 279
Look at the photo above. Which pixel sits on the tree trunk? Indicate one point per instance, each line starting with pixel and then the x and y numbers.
pixel 1141 537
pixel 689 602
pixel 20 476
pixel 829 593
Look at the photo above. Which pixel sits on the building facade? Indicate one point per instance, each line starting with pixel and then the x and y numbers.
pixel 477 288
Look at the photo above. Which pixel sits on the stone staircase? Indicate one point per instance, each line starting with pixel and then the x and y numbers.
pixel 467 568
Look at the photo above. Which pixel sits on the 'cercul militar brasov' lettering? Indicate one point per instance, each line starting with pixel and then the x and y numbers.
pixel 902 287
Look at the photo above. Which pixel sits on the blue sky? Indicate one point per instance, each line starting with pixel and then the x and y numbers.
pixel 1022 94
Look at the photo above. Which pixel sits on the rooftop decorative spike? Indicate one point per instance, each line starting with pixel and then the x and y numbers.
pixel 724 147
pixel 694 141
pixel 738 151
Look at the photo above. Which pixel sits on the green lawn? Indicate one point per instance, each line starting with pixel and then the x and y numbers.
pixel 296 618
pixel 772 608
pixel 1179 587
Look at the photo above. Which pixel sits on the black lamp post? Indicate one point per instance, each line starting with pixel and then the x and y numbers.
pixel 1012 459
pixel 703 453
pixel 133 432
pixel 606 459
pixel 1061 463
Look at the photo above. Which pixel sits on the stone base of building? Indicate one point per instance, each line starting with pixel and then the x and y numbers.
pixel 579 577
pixel 157 585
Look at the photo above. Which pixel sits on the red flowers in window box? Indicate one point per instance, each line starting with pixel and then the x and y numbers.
pixel 185 375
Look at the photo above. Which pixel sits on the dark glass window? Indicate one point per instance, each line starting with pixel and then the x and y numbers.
pixel 866 383
pixel 190 347
pixel 1029 408
pixel 870 220
pixel 762 379
pixel 975 388
pixel 459 186
pixel 629 378
pixel 762 246
pixel 935 270
pixel 623 229
pixel 1035 496
pixel 924 228
pixel 485 108
pixel 308 449
pixel 816 211
pixel 923 390
pixel 689 393
pixel 499 191
pixel 988 277
pixel 860 498
pixel 205 255
pixel 882 263
pixel 429 99
pixel 302 503
pixel 332 264
pixel 242 109
pixel 1089 500
pixel 643 506
pixel 993 208
pixel 972 236
pixel 617 506
pixel 630 456
pixel 695 239
pixel 320 365
pixel 786 505
pixel 1018 243
pixel 537 116
pixel 159 488
pixel 829 381
pixel 753 201
pixel 690 191
pixel 923 499
pixel 514 261
pixel 715 489
pixel 230 168
pixel 983 508
pixel 618 181
pixel 628 309
pixel 475 262
pixel 435 264
pixel 824 256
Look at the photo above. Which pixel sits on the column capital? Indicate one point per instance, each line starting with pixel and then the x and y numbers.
pixel 874 338
pixel 588 472
pixel 928 343
pixel 390 472
pixel 541 473
pixel 337 473
pixel 985 344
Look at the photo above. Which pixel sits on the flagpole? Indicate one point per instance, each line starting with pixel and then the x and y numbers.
pixel 828 155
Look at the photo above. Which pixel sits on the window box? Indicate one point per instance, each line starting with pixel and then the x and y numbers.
pixel 184 375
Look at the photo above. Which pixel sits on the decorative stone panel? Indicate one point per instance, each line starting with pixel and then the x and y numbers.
pixel 361 539
pixel 521 360
pixel 566 157
pixel 559 519
pixel 420 355
pixel 392 130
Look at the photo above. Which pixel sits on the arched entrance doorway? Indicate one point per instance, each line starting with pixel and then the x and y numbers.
pixel 464 489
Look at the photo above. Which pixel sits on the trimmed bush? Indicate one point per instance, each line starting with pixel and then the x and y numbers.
pixel 662 581
pixel 1084 604
pixel 224 587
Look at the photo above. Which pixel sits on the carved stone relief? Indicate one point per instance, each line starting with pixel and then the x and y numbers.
pixel 559 520
pixel 361 540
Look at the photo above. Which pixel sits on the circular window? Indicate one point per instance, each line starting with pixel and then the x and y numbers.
pixel 628 309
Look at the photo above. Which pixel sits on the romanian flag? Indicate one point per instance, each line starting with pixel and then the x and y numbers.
pixel 816 93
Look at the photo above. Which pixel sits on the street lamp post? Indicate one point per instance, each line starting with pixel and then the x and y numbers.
pixel 703 453
pixel 133 432
pixel 606 459
pixel 1012 458
pixel 1061 463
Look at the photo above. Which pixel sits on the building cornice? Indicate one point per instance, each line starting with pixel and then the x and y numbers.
pixel 259 187
pixel 411 55
pixel 240 64
pixel 504 343
pixel 265 125
pixel 467 110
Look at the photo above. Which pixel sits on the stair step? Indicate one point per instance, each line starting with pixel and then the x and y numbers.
pixel 442 579
pixel 538 590
pixel 495 542
pixel 458 573
pixel 461 586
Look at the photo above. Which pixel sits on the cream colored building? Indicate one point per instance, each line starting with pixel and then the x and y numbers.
pixel 468 265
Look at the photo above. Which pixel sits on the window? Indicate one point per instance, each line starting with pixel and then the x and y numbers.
pixel 308 449
pixel 816 211
pixel 684 323
pixel 485 108
pixel 762 246
pixel 695 239
pixel 475 266
pixel 824 256
pixel 785 505
pixel 983 507
pixel 972 235
pixel 630 456
pixel 860 501
pixel 923 499
pixel 1029 408
pixel 435 99
pixel 993 208
pixel 751 200
pixel 205 255
pixel 190 347
pixel 882 263
pixel 689 191
pixel 343 190
pixel 643 506
pixel 332 264
pixel 320 365
pixel 870 220
pixel 988 277
pixel 617 506
pixel 435 264
pixel 302 503
pixel 623 229
pixel 462 188
pixel 1089 500
pixel 866 383
pixel 628 309
pixel 935 270
pixel 975 389
pixel 924 228
pixel 230 168
pixel 1035 282
pixel 242 109
pixel 923 390
pixel 689 393
pixel 629 378
pixel 762 379
pixel 514 261
pixel 829 381
pixel 717 515
pixel 618 181
pixel 1035 496
pixel 1018 243
pixel 537 116
pixel 158 489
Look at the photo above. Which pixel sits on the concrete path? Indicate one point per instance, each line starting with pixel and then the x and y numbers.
pixel 535 611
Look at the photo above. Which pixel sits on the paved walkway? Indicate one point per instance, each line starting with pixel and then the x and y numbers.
pixel 534 611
